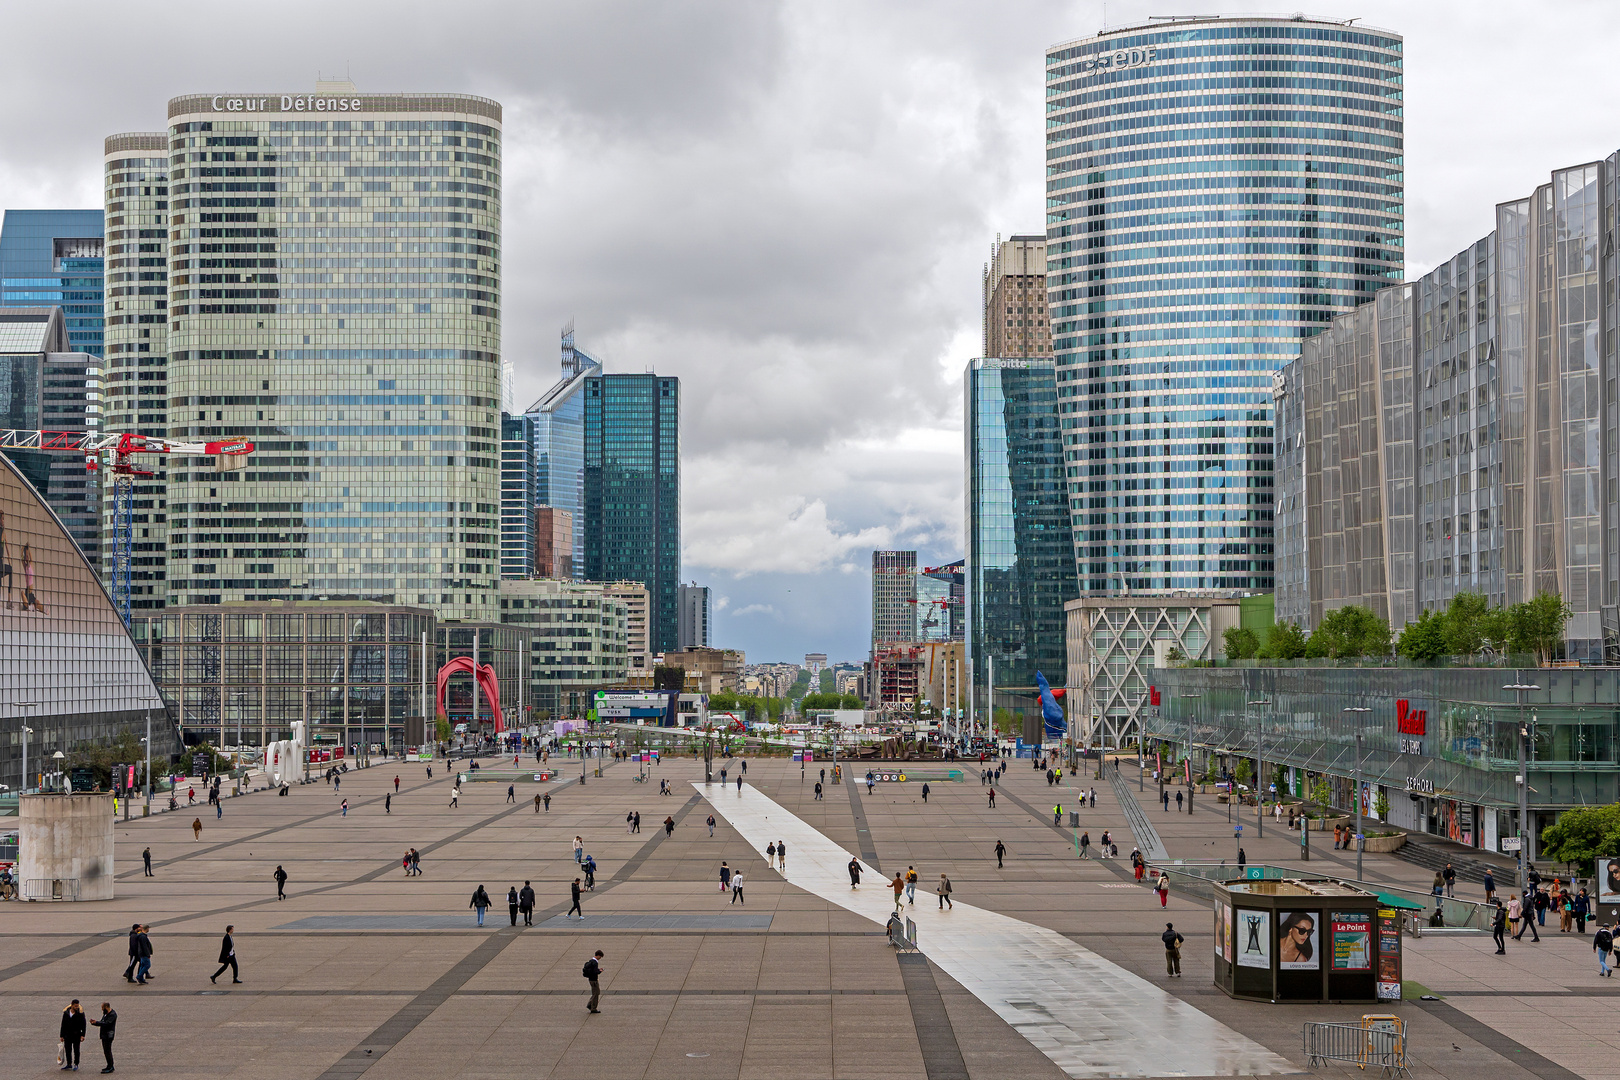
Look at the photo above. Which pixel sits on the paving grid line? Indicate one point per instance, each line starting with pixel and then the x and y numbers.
pixel 67 951
pixel 1504 1046
pixel 941 1054
pixel 863 832
pixel 389 1034
pixel 463 992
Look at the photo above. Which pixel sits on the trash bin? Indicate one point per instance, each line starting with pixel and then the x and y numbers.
pixel 1074 819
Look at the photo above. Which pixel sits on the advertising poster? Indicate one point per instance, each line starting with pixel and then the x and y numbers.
pixel 1223 920
pixel 1296 942
pixel 1609 881
pixel 1352 941
pixel 1253 930
pixel 1389 954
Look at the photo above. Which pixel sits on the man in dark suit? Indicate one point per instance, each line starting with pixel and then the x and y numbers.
pixel 107 1024
pixel 526 903
pixel 134 953
pixel 227 958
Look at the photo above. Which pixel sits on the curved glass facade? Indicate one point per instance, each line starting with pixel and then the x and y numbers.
pixel 1217 191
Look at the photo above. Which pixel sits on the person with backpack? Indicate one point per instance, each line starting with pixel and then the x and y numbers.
pixel 590 873
pixel 593 973
pixel 911 885
pixel 480 903
pixel 1162 887
pixel 1602 944
pixel 512 903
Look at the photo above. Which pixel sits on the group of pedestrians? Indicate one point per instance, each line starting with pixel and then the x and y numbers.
pixel 75 1026
pixel 905 887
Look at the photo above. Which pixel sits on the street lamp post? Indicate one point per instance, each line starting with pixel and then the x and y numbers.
pixel 1259 771
pixel 1519 690
pixel 1188 767
pixel 1356 795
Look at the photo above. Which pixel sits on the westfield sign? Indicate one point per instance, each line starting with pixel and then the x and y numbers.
pixel 1410 721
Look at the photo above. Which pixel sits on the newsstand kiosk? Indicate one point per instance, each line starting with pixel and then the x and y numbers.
pixel 1305 940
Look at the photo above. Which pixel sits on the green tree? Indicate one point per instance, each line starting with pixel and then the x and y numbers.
pixel 827 681
pixel 1496 630
pixel 1349 631
pixel 1322 792
pixel 1381 806
pixel 441 727
pixel 669 677
pixel 1285 642
pixel 1583 835
pixel 100 758
pixel 1244 771
pixel 1423 640
pixel 1241 643
pixel 801 685
pixel 1462 624
pixel 1537 625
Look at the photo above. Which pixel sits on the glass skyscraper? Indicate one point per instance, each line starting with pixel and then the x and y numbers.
pixel 633 492
pixel 334 296
pixel 1020 553
pixel 517 497
pixel 1218 189
pixel 53 258
pixel 559 443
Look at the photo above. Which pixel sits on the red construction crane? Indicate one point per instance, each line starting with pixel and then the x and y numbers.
pixel 229 455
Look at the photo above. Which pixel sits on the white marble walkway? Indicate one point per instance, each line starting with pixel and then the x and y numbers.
pixel 1091 1017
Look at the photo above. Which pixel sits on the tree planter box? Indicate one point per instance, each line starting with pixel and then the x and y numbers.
pixel 1383 843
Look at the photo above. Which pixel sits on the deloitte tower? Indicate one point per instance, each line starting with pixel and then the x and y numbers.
pixel 1218 189
pixel 333 275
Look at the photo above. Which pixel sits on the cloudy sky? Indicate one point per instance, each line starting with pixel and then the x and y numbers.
pixel 787 205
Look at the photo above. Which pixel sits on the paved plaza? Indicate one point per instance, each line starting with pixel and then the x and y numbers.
pixel 1050 967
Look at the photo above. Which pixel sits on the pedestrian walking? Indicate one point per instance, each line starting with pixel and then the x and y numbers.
pixel 416 863
pixel 818 787
pixel 455 796
pixel 1172 950
pixel 72 1031
pixel 899 886
pixel 943 889
pixel 134 952
pixel 576 909
pixel 196 828
pixel 1085 845
pixel 146 862
pixel 512 903
pixel 511 793
pixel 593 973
pixel 722 777
pixel 108 1025
pixel 635 821
pixel 1137 863
pixel 725 876
pixel 1499 928
pixel 770 853
pixel 396 784
pixel 1243 858
pixel 526 903
pixel 1001 851
pixel 1541 903
pixel 1515 910
pixel 911 885
pixel 546 801
pixel 281 883
pixel 871 782
pixel 227 958
pixel 711 824
pixel 1162 887
pixel 1057 814
pixel 1603 944
pixel 219 810
pixel 781 855
pixel 579 849
pixel 1527 918
pixel 1164 797
pixel 1581 907
pixel 669 826
pixel 992 798
pixel 143 951
pixel 925 792
pixel 739 784
pixel 1107 843
pixel 345 807
pixel 1490 886
pixel 854 873
pixel 1178 803
pixel 1450 876
pixel 479 903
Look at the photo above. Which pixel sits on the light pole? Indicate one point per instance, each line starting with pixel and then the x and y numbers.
pixel 1188 766
pixel 1259 770
pixel 1356 795
pixel 26 731
pixel 1519 690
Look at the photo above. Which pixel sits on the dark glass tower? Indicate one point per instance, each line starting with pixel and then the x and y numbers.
pixel 54 258
pixel 633 492
pixel 1020 554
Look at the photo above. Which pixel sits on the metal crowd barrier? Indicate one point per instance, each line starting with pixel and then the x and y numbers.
pixel 50 889
pixel 1378 1041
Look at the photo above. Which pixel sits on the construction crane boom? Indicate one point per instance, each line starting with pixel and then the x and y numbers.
pixel 229 455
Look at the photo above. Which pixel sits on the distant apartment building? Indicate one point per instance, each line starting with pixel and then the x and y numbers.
pixel 944 678
pixel 1015 321
pixel 895 676
pixel 578 644
pixel 694 605
pixel 553 543
pixel 717 669
pixel 636 603
pixel 894 596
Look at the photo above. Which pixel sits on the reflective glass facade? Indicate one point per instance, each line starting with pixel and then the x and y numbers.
pixel 1217 191
pixel 1020 558
pixel 1485 398
pixel 68 668
pixel 578 645
pixel 54 258
pixel 633 492
pixel 334 296
pixel 517 497
pixel 559 444
pixel 136 392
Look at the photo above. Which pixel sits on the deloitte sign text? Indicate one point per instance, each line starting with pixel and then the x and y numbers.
pixel 287 103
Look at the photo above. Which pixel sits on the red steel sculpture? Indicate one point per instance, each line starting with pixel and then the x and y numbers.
pixel 487 686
